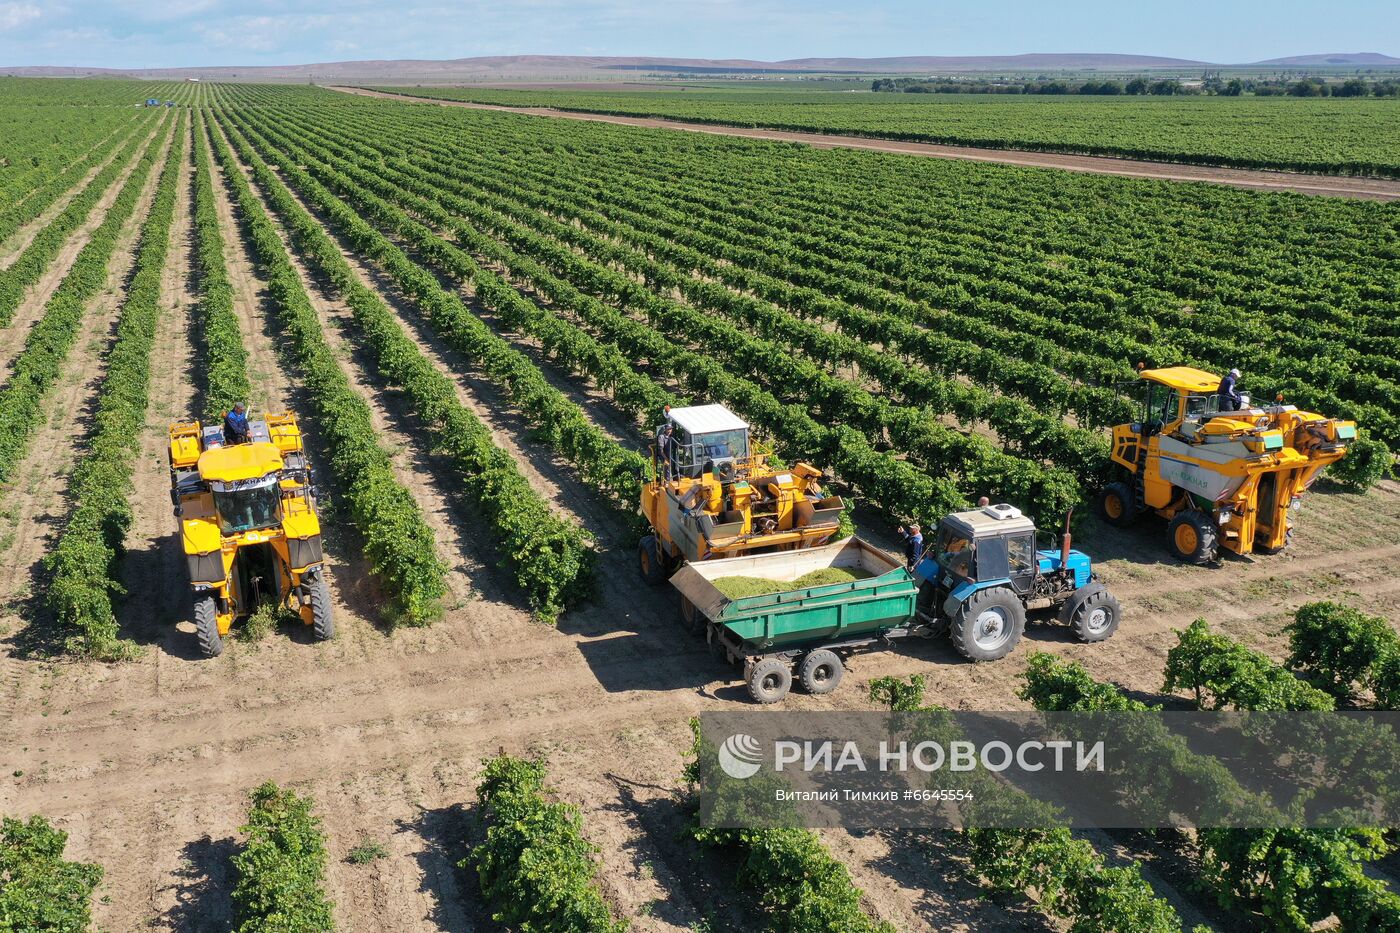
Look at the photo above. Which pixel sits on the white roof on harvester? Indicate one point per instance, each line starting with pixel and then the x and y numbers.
pixel 706 419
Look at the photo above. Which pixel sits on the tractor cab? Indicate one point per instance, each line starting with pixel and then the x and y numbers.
pixel 996 546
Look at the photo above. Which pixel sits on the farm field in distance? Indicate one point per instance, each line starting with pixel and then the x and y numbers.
pixel 1348 136
pixel 478 319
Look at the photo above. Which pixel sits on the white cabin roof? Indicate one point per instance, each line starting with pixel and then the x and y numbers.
pixel 706 419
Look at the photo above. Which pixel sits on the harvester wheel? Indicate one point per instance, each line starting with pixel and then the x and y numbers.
pixel 649 561
pixel 1096 616
pixel 821 672
pixel 988 625
pixel 692 621
pixel 1116 505
pixel 206 626
pixel 770 680
pixel 1193 537
pixel 322 617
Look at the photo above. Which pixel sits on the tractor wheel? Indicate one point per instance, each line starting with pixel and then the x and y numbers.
pixel 988 625
pixel 322 617
pixel 1096 616
pixel 649 561
pixel 770 680
pixel 1116 505
pixel 821 672
pixel 206 625
pixel 1193 537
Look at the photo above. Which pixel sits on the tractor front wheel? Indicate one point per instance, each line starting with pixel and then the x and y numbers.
pixel 206 627
pixel 322 617
pixel 1193 537
pixel 1095 617
pixel 988 625
pixel 1116 505
pixel 649 561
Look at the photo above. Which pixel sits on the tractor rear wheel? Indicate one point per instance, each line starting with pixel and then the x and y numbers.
pixel 322 616
pixel 206 627
pixel 1193 537
pixel 1117 506
pixel 770 680
pixel 649 561
pixel 821 672
pixel 988 625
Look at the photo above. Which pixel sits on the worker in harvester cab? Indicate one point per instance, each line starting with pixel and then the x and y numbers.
pixel 666 448
pixel 236 424
pixel 913 544
pixel 1230 397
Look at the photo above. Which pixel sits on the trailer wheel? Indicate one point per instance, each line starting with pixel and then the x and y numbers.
pixel 322 617
pixel 821 672
pixel 649 561
pixel 691 620
pixel 1116 505
pixel 770 680
pixel 1193 537
pixel 988 625
pixel 206 625
pixel 1096 616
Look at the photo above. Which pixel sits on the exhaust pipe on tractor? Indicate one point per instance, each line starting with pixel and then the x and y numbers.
pixel 1065 540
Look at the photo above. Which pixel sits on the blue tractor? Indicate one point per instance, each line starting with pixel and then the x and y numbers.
pixel 983 572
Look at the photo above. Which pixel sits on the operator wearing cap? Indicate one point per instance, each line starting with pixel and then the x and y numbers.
pixel 1230 399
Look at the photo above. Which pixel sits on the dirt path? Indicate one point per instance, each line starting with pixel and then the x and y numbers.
pixel 31 306
pixel 1370 189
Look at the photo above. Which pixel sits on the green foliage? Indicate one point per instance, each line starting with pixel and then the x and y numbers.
pixel 1053 683
pixel 39 891
pixel 83 563
pixel 797 885
pixel 398 542
pixel 1367 462
pixel 367 852
pixel 535 866
pixel 1224 673
pixel 1344 650
pixel 552 558
pixel 223 362
pixel 281 871
pixel 49 341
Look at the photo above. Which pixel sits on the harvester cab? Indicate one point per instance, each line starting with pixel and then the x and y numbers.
pixel 249 525
pixel 1221 478
pixel 984 571
pixel 713 496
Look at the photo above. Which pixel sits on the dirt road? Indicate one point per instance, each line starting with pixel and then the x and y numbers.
pixel 1369 189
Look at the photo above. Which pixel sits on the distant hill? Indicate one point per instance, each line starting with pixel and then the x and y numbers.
pixel 595 67
pixel 1336 58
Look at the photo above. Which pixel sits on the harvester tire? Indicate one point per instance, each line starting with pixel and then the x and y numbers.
pixel 1117 506
pixel 206 627
pixel 821 672
pixel 1095 617
pixel 322 615
pixel 649 561
pixel 1193 537
pixel 770 680
pixel 988 625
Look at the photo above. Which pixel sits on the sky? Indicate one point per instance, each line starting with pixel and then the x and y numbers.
pixel 190 33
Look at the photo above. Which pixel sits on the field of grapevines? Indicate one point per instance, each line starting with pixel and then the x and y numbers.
pixel 1302 135
pixel 478 318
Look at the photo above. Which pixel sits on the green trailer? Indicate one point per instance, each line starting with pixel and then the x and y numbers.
pixel 804 634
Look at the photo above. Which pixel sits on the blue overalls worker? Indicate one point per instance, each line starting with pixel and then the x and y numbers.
pixel 1230 399
pixel 913 544
pixel 236 425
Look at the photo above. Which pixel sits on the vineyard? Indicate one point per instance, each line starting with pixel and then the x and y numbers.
pixel 1328 136
pixel 477 319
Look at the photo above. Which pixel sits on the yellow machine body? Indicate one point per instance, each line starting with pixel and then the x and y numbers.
pixel 232 499
pixel 717 498
pixel 1244 469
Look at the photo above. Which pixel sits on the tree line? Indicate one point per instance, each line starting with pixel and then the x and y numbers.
pixel 1211 85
